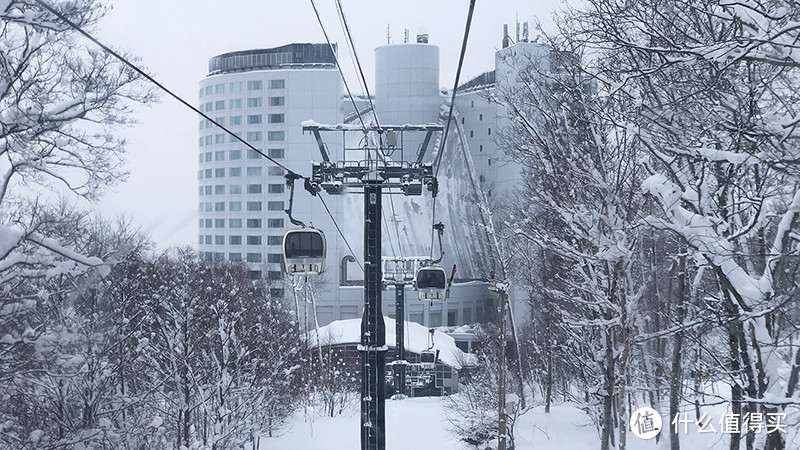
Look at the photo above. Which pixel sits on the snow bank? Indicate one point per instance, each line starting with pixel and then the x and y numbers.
pixel 349 332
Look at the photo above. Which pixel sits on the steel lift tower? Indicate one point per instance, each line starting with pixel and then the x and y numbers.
pixel 376 166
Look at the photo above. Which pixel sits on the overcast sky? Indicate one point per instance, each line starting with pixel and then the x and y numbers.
pixel 176 38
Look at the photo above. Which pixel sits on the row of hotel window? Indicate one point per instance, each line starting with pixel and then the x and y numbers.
pixel 251 223
pixel 252 119
pixel 235 206
pixel 236 103
pixel 251 136
pixel 234 172
pixel 236 155
pixel 220 240
pixel 236 86
pixel 219 189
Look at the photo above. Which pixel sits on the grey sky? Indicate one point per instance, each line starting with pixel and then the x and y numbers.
pixel 175 39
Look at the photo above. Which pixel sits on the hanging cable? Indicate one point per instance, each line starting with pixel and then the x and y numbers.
pixel 455 86
pixel 159 85
pixel 340 232
pixel 438 160
pixel 338 66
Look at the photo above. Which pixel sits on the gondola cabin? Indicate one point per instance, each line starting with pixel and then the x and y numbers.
pixel 304 251
pixel 431 283
pixel 427 359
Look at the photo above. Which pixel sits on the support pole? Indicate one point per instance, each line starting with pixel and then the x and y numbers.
pixel 373 329
pixel 501 377
pixel 399 366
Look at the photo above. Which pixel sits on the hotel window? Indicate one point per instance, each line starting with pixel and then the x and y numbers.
pixel 480 117
pixel 201 126
pixel 201 96
pixel 254 171
pixel 462 121
pixel 274 223
pixel 235 103
pixel 236 189
pixel 219 223
pixel 252 154
pixel 234 155
pixel 254 188
pixel 253 240
pixel 254 206
pixel 219 189
pixel 208 190
pixel 275 275
pixel 254 119
pixel 208 239
pixel 219 206
pixel 275 188
pixel 480 148
pixel 254 102
pixel 254 257
pixel 200 174
pixel 253 223
pixel 276 101
pixel 274 257
pixel 234 136
pixel 254 136
pixel 209 139
pixel 275 171
pixel 219 88
pixel 236 86
pixel 200 191
pixel 234 223
pixel 275 206
pixel 277 84
pixel 219 156
pixel 235 206
pixel 235 172
pixel 235 120
pixel 219 173
pixel 219 105
pixel 435 318
pixel 276 118
pixel 208 223
pixel 208 90
pixel 200 239
pixel 235 240
pixel 219 138
pixel 219 240
pixel 471 133
pixel 254 85
pixel 276 135
pixel 208 173
pixel 235 257
pixel 274 240
pixel 200 141
pixel 209 106
pixel 276 153
pixel 208 156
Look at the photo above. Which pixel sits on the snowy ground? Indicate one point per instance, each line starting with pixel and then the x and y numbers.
pixel 421 423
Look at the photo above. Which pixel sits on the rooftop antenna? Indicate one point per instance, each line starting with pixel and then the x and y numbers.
pixel 525 32
pixel 405 36
pixel 505 35
pixel 517 20
pixel 388 34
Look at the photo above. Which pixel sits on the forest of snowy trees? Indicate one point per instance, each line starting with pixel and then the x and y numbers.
pixel 656 237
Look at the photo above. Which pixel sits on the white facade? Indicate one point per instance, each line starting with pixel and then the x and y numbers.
pixel 242 195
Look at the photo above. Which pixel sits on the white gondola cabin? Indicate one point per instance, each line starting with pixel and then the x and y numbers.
pixel 431 282
pixel 427 359
pixel 304 251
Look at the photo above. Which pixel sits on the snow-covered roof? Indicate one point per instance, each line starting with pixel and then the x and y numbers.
pixel 349 332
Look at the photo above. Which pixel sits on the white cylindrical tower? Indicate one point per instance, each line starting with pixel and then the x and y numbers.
pixel 407 87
